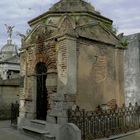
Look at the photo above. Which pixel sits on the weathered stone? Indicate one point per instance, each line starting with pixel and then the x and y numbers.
pixel 9 93
pixel 99 74
pixel 132 69
pixel 70 132
pixel 70 97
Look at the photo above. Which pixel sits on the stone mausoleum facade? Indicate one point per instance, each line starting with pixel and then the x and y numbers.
pixel 9 61
pixel 132 69
pixel 71 57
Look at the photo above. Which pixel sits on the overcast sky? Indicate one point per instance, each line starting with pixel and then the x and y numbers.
pixel 124 13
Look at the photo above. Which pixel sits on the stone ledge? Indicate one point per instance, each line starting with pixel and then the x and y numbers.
pixel 10 82
pixel 38 122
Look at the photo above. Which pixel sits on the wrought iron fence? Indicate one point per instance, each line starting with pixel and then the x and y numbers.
pixel 14 113
pixel 105 123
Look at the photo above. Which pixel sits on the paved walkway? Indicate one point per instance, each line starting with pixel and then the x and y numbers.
pixel 8 133
pixel 135 136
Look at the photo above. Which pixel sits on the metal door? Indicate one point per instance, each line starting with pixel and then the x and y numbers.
pixel 41 100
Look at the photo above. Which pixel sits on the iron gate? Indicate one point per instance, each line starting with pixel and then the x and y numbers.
pixel 41 104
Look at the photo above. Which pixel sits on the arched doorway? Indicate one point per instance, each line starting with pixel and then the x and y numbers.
pixel 41 98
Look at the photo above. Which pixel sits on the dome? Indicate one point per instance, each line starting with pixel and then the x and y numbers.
pixel 72 6
pixel 9 48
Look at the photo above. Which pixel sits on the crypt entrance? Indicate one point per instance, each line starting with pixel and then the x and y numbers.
pixel 42 94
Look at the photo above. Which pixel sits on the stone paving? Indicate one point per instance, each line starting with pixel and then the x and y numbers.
pixel 135 136
pixel 8 133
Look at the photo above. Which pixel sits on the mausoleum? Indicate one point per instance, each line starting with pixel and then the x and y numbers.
pixel 9 59
pixel 70 58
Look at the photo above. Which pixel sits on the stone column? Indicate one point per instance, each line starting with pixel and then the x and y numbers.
pixel 67 79
pixel 28 102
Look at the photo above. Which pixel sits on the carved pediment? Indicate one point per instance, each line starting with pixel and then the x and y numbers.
pixel 97 32
pixel 66 26
pixel 39 34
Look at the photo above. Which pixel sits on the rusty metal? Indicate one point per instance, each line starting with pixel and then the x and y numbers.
pixel 105 123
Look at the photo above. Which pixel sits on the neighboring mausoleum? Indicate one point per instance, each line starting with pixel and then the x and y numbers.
pixel 9 59
pixel 9 76
pixel 132 69
pixel 70 58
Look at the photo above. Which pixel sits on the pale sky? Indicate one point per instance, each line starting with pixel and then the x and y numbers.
pixel 124 13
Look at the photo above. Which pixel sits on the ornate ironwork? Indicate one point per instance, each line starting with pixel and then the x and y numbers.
pixel 14 113
pixel 105 123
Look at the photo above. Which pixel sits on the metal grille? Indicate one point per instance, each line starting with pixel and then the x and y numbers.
pixel 105 123
pixel 41 108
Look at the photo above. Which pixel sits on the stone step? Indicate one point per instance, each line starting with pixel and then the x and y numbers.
pixel 43 134
pixel 35 130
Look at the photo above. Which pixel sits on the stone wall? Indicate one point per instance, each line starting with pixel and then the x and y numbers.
pixel 132 69
pixel 100 75
pixel 9 93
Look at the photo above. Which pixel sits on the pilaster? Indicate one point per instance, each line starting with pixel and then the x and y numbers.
pixel 67 79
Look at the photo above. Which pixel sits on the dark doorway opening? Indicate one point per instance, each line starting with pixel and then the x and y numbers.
pixel 41 98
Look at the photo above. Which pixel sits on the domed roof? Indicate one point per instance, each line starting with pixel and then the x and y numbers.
pixel 72 6
pixel 9 48
pixel 7 51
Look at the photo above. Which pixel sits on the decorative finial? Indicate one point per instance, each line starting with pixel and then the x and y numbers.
pixel 9 30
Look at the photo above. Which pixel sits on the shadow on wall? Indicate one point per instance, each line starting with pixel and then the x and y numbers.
pixel 9 93
pixel 5 112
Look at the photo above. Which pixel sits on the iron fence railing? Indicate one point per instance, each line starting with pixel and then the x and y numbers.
pixel 14 113
pixel 105 123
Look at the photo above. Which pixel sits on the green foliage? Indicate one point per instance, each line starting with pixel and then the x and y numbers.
pixel 124 43
pixel 111 28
